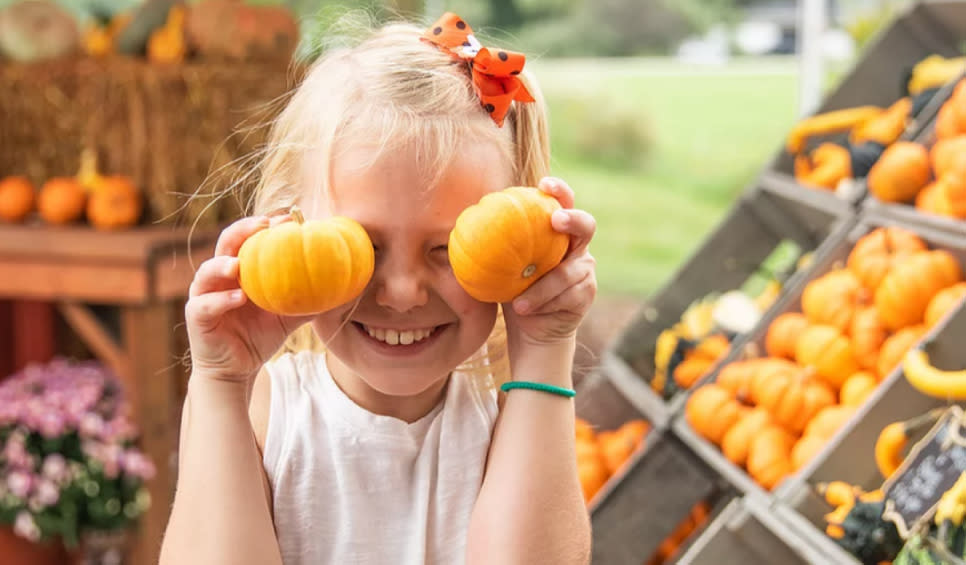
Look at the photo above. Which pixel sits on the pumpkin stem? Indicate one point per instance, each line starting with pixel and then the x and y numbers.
pixel 529 270
pixel 296 214
pixel 87 174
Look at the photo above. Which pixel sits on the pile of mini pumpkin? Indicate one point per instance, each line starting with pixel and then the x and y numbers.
pixel 107 202
pixel 671 544
pixel 772 414
pixel 602 453
pixel 932 178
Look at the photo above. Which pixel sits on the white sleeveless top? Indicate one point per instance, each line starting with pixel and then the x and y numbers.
pixel 350 486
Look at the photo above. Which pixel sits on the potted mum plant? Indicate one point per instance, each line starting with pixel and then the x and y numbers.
pixel 70 470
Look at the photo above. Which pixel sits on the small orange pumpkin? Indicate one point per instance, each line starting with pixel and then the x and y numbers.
pixel 699 360
pixel 114 203
pixel 504 243
pixel 735 442
pixel 805 449
pixel 874 253
pixel 276 276
pixel 906 290
pixel 896 346
pixel 867 334
pixel 828 421
pixel 901 171
pixel 17 199
pixel 769 456
pixel 711 410
pixel 825 167
pixel 933 200
pixel 947 155
pixel 947 125
pixel 792 397
pixel 944 302
pixel 952 186
pixel 783 334
pixel 857 388
pixel 829 351
pixel 833 298
pixel 61 200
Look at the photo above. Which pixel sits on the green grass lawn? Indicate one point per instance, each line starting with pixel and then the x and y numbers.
pixel 713 131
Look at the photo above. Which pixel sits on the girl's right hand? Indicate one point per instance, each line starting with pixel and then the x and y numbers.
pixel 231 338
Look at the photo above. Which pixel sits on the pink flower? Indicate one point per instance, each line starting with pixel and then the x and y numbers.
pixel 47 493
pixel 91 425
pixel 19 483
pixel 25 527
pixel 51 425
pixel 137 465
pixel 54 468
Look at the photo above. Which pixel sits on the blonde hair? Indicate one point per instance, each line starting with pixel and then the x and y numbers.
pixel 396 90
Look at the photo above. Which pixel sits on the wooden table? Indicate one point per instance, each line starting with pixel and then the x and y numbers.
pixel 145 273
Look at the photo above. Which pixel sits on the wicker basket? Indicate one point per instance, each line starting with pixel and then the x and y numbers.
pixel 168 127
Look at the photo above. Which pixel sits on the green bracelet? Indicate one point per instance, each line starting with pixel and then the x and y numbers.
pixel 509 385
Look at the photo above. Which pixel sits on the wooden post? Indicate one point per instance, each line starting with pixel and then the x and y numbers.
pixel 34 336
pixel 149 336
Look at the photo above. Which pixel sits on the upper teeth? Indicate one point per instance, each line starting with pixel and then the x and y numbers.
pixel 399 337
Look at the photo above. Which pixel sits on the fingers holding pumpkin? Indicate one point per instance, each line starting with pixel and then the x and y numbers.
pixel 232 237
pixel 558 189
pixel 207 309
pixel 216 274
pixel 569 287
pixel 579 224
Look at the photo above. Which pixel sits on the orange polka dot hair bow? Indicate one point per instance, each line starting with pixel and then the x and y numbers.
pixel 493 71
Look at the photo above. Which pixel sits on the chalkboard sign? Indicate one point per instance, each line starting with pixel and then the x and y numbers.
pixel 932 467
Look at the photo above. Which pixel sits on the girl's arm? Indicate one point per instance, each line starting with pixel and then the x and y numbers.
pixel 530 508
pixel 221 510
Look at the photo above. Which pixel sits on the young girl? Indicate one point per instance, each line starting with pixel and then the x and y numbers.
pixel 392 445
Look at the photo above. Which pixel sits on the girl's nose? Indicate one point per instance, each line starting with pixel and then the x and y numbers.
pixel 401 286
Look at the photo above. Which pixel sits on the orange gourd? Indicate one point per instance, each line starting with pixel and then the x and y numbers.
pixel 305 267
pixel 829 420
pixel 857 388
pixel 769 456
pixel 906 290
pixel 61 200
pixel 114 203
pixel 792 397
pixel 901 171
pixel 17 199
pixel 825 167
pixel 833 298
pixel 867 334
pixel 805 449
pixel 735 442
pixel 944 302
pixel 783 334
pixel 947 125
pixel 829 351
pixel 584 431
pixel 711 410
pixel 874 253
pixel 947 155
pixel 952 187
pixel 699 360
pixel 504 243
pixel 896 346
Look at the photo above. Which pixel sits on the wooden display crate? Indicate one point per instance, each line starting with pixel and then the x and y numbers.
pixel 761 222
pixel 832 254
pixel 850 457
pixel 651 494
pixel 746 532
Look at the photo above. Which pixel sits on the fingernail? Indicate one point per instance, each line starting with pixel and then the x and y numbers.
pixel 230 267
pixel 236 295
pixel 521 306
pixel 562 218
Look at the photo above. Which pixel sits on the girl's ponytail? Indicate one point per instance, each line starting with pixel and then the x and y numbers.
pixel 531 136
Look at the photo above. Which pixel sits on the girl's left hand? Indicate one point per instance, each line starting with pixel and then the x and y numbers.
pixel 550 311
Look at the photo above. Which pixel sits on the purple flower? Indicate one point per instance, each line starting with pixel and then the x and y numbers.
pixel 25 527
pixel 19 483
